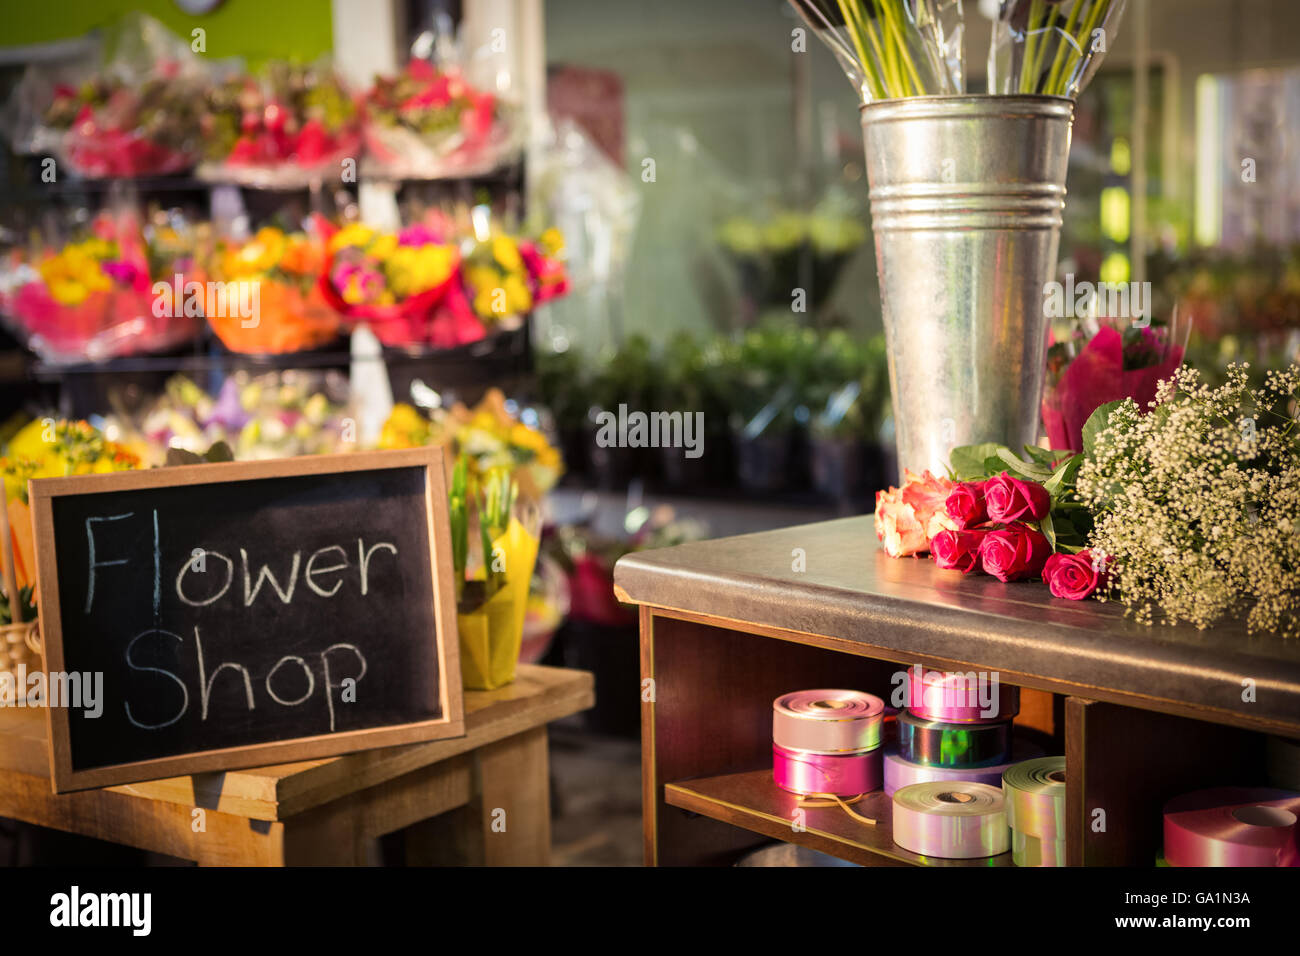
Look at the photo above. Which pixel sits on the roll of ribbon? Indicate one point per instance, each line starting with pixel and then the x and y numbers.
pixel 902 773
pixel 1283 762
pixel 938 743
pixel 845 775
pixel 960 697
pixel 1032 851
pixel 1233 826
pixel 1035 791
pixel 953 820
pixel 827 721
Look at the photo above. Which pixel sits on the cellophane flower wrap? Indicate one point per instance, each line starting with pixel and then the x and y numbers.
pixel 404 284
pixel 133 113
pixel 429 122
pixel 92 298
pixel 293 313
pixel 283 128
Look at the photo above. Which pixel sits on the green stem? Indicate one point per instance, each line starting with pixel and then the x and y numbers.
pixel 896 24
pixel 1031 43
pixel 854 25
pixel 1084 38
pixel 1054 76
pixel 889 61
pixel 889 81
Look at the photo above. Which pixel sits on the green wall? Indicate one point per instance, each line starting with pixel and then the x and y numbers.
pixel 253 29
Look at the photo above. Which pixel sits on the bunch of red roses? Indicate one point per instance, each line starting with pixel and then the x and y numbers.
pixel 996 532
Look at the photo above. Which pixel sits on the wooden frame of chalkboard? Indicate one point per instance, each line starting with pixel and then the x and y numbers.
pixel 69 767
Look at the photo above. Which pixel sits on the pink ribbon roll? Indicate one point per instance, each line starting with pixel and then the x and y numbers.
pixel 1233 826
pixel 903 773
pixel 952 820
pixel 845 775
pixel 827 721
pixel 960 697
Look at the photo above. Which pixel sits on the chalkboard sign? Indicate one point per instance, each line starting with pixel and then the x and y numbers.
pixel 243 614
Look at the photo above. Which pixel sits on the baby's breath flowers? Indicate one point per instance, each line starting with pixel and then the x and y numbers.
pixel 1197 503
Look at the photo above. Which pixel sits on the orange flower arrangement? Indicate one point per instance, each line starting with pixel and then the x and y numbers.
pixel 291 313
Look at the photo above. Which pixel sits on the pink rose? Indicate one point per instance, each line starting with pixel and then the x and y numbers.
pixel 908 517
pixel 1014 552
pixel 1074 576
pixel 1013 499
pixel 966 504
pixel 957 550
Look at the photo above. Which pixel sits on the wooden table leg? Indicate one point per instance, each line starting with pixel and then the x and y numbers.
pixel 513 800
pixel 507 820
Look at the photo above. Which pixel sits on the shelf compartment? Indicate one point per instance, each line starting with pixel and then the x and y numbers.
pixel 752 801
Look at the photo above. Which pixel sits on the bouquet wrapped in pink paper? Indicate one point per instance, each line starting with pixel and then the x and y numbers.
pixel 406 285
pixel 1084 374
pixel 93 299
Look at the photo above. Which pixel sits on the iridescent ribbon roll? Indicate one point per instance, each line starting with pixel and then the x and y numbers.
pixel 1233 826
pixel 845 775
pixel 827 721
pixel 951 820
pixel 903 773
pixel 1032 851
pixel 959 697
pixel 1035 791
pixel 939 743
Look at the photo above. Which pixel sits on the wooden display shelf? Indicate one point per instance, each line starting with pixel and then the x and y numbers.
pixel 1142 714
pixel 752 801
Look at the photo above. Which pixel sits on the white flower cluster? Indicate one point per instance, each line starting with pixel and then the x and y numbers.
pixel 1197 503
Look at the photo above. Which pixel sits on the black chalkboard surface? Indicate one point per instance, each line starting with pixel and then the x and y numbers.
pixel 247 613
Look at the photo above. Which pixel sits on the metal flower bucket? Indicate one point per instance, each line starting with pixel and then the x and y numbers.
pixel 966 200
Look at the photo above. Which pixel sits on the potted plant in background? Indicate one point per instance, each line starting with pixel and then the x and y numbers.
pixel 847 462
pixel 626 378
pixel 691 380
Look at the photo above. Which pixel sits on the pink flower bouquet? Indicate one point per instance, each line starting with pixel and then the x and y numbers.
pixel 1111 366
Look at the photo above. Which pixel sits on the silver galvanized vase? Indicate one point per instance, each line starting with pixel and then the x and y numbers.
pixel 966 200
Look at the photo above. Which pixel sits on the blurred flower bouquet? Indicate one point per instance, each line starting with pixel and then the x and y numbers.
pixel 279 130
pixel 506 277
pixel 1117 361
pixel 93 298
pixel 429 123
pixel 277 415
pixel 293 313
pixel 487 436
pixel 46 448
pixel 134 112
pixel 112 127
pixel 404 284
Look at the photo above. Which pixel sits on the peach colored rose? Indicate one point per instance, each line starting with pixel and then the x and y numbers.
pixel 908 517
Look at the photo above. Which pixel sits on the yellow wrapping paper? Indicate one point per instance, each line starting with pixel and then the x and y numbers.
pixel 491 635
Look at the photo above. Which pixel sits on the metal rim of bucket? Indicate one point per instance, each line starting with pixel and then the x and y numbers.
pixel 969 104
